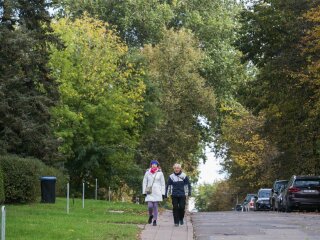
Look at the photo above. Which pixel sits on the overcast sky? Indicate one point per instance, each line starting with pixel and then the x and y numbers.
pixel 209 172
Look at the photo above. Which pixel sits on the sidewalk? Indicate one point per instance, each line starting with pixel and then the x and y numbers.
pixel 166 229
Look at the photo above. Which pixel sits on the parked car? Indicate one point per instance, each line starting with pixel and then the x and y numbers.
pixel 279 200
pixel 238 208
pixel 275 193
pixel 302 192
pixel 263 200
pixel 248 202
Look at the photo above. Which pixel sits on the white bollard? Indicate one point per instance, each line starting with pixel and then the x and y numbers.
pixel 83 195
pixel 96 193
pixel 68 197
pixel 3 223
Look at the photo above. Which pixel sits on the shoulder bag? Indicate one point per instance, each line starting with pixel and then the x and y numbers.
pixel 149 188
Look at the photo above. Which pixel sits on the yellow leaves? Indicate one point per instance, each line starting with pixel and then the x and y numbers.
pixel 249 152
pixel 312 37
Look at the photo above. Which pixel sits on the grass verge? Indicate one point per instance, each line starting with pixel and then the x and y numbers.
pixel 98 220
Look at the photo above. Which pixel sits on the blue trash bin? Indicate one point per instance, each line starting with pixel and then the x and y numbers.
pixel 48 189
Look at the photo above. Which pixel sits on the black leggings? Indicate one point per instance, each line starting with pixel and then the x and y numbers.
pixel 179 204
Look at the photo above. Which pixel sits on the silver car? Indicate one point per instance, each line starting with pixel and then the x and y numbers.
pixel 248 203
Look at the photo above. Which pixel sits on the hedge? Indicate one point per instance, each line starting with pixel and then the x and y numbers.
pixel 22 178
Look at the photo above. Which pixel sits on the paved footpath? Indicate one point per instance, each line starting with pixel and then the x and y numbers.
pixel 166 229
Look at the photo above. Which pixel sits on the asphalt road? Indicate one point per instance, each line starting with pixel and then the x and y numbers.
pixel 256 225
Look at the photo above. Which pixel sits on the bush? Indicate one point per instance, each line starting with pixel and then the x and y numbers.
pixel 1 187
pixel 21 178
pixel 62 178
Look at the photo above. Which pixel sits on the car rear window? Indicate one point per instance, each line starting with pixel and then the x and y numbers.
pixel 248 197
pixel 279 185
pixel 307 183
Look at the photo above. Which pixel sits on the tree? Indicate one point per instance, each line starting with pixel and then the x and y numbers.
pixel 142 22
pixel 250 159
pixel 309 79
pixel 204 195
pixel 184 101
pixel 271 39
pixel 138 22
pixel 101 102
pixel 218 196
pixel 26 90
pixel 215 24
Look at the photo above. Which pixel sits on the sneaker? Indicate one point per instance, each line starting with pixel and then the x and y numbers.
pixel 154 223
pixel 150 219
pixel 181 222
pixel 176 224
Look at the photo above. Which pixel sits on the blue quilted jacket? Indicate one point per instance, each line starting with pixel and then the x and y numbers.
pixel 178 185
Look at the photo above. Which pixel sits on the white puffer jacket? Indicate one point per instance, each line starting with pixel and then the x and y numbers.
pixel 158 187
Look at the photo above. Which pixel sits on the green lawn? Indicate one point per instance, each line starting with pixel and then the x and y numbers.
pixel 95 221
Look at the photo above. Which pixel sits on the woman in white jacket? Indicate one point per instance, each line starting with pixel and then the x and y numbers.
pixel 153 187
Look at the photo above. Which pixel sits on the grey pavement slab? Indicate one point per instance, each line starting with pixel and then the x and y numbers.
pixel 165 229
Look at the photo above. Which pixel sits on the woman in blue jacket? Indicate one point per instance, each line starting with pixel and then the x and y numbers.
pixel 179 188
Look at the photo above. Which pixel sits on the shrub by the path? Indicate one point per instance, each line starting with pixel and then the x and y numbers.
pixel 21 178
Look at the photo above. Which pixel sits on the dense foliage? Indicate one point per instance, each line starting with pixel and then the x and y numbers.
pixel 22 178
pixel 26 90
pixel 273 38
pixel 101 91
pixel 106 86
pixel 219 196
pixel 203 63
pixel 183 98
pixel 273 132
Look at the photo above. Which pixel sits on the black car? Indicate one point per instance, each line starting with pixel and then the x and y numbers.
pixel 275 191
pixel 238 207
pixel 302 192
pixel 263 200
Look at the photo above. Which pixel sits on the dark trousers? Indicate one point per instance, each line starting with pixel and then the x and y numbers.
pixel 179 204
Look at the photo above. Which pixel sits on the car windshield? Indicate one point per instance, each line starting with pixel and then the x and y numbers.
pixel 307 183
pixel 264 194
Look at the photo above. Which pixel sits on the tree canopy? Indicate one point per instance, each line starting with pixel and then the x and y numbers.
pixel 97 118
pixel 26 89
pixel 105 86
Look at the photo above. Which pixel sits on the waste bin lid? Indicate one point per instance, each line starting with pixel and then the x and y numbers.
pixel 48 178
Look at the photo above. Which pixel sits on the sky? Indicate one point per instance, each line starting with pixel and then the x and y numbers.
pixel 209 172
